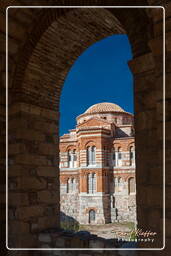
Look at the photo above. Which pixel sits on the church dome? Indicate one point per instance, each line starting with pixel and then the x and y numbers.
pixel 104 107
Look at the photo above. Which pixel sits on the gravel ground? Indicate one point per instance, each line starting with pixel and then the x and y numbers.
pixel 111 230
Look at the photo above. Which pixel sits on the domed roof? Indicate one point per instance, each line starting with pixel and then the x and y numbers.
pixel 104 107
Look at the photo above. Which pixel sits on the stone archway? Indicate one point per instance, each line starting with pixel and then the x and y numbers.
pixel 36 83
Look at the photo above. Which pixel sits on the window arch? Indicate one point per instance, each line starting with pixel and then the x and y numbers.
pixel 72 158
pixel 131 155
pixel 68 181
pixel 115 185
pixel 91 183
pixel 91 155
pixel 114 157
pixel 131 185
pixel 92 216
pixel 120 184
pixel 93 149
pixel 119 162
pixel 71 185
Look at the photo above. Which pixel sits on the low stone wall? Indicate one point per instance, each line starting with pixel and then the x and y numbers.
pixel 54 238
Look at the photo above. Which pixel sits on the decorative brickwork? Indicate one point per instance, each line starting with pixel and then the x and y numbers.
pixel 101 153
pixel 43 44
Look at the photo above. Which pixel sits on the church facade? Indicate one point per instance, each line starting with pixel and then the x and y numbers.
pixel 97 167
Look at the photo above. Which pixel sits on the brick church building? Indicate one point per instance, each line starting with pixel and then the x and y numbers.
pixel 97 166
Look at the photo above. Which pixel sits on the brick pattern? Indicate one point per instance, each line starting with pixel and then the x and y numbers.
pixel 108 136
pixel 144 28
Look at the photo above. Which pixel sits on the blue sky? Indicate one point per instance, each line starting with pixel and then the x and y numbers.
pixel 100 74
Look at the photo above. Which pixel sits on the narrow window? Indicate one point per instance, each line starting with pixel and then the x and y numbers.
pixel 119 157
pixel 91 183
pixel 93 152
pixel 131 185
pixel 68 185
pixel 91 155
pixel 74 158
pixel 69 158
pixel 131 155
pixel 120 184
pixel 72 184
pixel 114 157
pixel 92 216
pixel 88 155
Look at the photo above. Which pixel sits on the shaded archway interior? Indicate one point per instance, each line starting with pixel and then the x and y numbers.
pixel 34 100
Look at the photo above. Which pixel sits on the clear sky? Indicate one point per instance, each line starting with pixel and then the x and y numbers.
pixel 100 74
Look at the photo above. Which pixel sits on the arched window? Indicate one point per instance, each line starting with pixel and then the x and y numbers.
pixel 120 184
pixel 72 158
pixel 72 184
pixel 119 156
pixel 131 185
pixel 88 155
pixel 68 182
pixel 131 155
pixel 91 155
pixel 114 157
pixel 91 180
pixel 115 185
pixel 92 216
pixel 69 158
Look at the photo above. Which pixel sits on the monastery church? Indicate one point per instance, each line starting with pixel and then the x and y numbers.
pixel 97 167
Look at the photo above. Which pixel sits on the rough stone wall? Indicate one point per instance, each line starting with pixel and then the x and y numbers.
pixel 148 96
pixel 69 202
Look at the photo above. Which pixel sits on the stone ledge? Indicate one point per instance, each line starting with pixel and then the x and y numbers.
pixel 58 238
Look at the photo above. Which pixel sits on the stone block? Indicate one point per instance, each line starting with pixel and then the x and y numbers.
pixel 43 237
pixel 31 160
pixel 47 127
pixel 47 171
pixel 16 148
pixel 47 149
pixel 48 222
pixel 24 241
pixel 154 196
pixel 15 29
pixel 30 134
pixel 95 243
pixel 60 242
pixel 31 183
pixel 142 63
pixel 18 227
pixel 15 199
pixel 47 197
pixel 17 170
pixel 155 218
pixel 156 46
pixel 25 213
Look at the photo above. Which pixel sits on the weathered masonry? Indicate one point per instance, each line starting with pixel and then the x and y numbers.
pixel 43 44
pixel 97 167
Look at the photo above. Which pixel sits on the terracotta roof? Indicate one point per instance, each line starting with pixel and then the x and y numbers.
pixel 104 107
